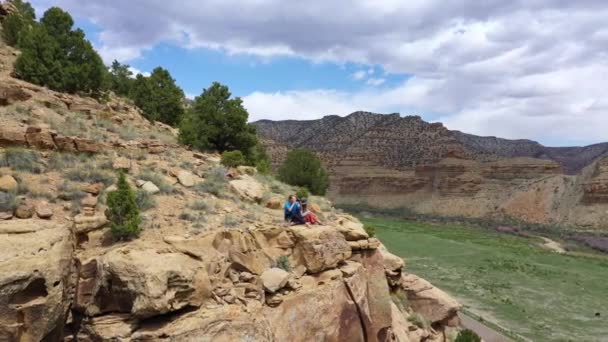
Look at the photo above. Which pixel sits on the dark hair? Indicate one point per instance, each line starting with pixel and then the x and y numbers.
pixel 290 197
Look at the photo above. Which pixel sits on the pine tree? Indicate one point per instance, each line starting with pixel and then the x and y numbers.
pixel 122 211
pixel 121 80
pixel 217 122
pixel 55 56
pixel 159 97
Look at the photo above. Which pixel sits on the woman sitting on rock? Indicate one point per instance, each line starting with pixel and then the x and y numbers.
pixel 309 216
pixel 293 214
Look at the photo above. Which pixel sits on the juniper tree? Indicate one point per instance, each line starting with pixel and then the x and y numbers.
pixel 122 211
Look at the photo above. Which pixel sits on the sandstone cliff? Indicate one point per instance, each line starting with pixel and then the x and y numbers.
pixel 388 161
pixel 214 261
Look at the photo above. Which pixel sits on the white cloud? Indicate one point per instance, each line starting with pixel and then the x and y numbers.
pixel 136 71
pixel 358 75
pixel 376 81
pixel 511 68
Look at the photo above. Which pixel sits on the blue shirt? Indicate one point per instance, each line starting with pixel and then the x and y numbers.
pixel 296 208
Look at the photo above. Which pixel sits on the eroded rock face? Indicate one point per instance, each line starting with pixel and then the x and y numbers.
pixel 146 283
pixel 431 302
pixel 248 188
pixel 321 248
pixel 35 269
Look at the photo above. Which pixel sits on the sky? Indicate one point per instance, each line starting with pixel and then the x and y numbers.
pixel 535 69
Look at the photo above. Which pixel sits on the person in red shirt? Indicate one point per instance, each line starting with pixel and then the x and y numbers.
pixel 309 216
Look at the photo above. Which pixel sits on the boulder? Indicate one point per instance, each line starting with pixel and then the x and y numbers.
pixel 93 189
pixel 186 178
pixel 35 266
pixel 320 248
pixel 314 207
pixel 64 143
pixel 44 211
pixel 248 188
pixel 146 282
pixel 274 279
pixel 5 215
pixel 391 261
pixel 85 224
pixel 380 299
pixel 24 211
pixel 274 202
pixel 150 188
pixel 8 184
pixel 246 170
pixel 431 302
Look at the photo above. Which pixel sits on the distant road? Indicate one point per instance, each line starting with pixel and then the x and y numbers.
pixel 486 333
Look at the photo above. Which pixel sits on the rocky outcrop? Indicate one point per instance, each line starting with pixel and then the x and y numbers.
pixel 36 279
pixel 596 189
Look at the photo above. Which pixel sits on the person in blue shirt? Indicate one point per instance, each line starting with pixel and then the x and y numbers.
pixel 293 211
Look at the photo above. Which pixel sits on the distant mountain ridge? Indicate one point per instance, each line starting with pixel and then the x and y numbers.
pixel 408 141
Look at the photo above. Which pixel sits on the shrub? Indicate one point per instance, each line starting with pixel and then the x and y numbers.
pixel 68 191
pixel 230 221
pixel 187 216
pixel 122 211
pixel 23 160
pixel 263 166
pixel 144 200
pixel 8 201
pixel 467 335
pixel 199 205
pixel 302 193
pixel 370 230
pixel 217 122
pixel 89 174
pixel 63 160
pixel 283 263
pixel 303 168
pixel 215 182
pixel 233 158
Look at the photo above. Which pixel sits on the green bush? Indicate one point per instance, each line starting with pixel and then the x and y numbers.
pixel 467 335
pixel 56 56
pixel 233 158
pixel 87 173
pixel 121 78
pixel 158 97
pixel 303 168
pixel 144 200
pixel 122 211
pixel 370 230
pixel 23 160
pixel 217 122
pixel 263 166
pixel 68 191
pixel 302 193
pixel 199 205
pixel 283 263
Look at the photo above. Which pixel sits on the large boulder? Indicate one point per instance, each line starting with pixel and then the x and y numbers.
pixel 35 266
pixel 248 188
pixel 379 298
pixel 431 302
pixel 146 282
pixel 10 94
pixel 85 224
pixel 319 248
pixel 274 279
pixel 12 136
pixel 186 178
pixel 351 228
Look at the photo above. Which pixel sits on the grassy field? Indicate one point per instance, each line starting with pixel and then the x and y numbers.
pixel 507 280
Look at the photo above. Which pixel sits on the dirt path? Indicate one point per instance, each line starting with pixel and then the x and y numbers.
pixel 553 245
pixel 486 333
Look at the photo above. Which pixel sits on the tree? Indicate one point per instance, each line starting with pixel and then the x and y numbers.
pixel 60 58
pixel 303 168
pixel 467 335
pixel 159 97
pixel 217 122
pixel 15 24
pixel 233 159
pixel 122 211
pixel 121 79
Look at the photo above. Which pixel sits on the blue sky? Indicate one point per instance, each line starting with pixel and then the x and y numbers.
pixel 510 69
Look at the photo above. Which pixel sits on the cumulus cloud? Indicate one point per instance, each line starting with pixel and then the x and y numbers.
pixel 359 75
pixel 136 71
pixel 512 68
